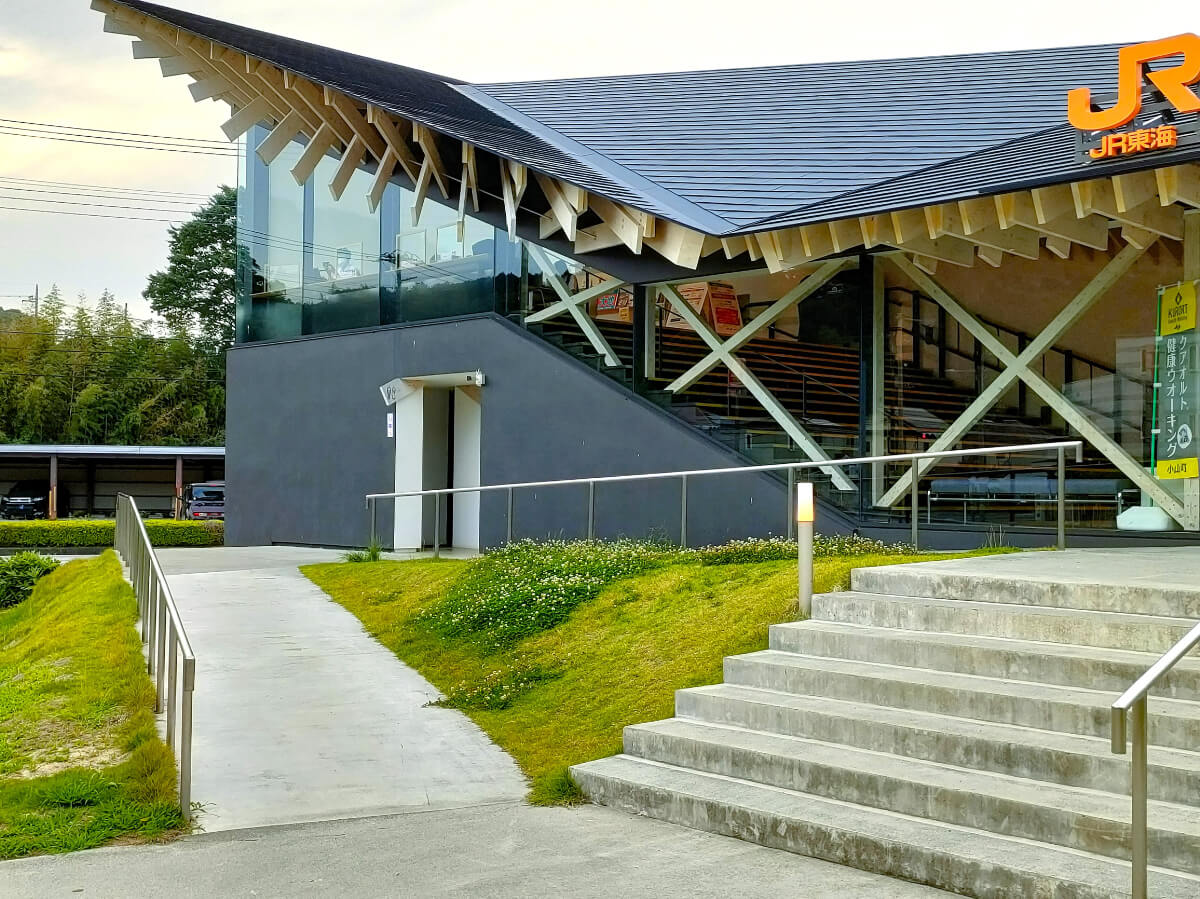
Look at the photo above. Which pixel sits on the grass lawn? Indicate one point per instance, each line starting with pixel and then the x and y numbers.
pixel 562 695
pixel 81 763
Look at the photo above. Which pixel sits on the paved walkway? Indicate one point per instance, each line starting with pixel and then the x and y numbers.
pixel 300 715
pixel 508 850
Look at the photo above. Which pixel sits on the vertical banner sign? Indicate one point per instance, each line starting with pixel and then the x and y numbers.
pixel 1177 383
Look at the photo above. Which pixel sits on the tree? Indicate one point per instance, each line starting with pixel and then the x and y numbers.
pixel 195 292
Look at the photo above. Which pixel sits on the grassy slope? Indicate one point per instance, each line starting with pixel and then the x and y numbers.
pixel 622 655
pixel 80 761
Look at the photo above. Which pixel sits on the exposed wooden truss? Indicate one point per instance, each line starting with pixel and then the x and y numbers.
pixel 1140 206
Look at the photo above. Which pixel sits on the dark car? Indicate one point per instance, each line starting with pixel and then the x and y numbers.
pixel 30 499
pixel 206 500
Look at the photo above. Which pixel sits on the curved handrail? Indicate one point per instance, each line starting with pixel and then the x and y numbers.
pixel 1133 703
pixel 1140 688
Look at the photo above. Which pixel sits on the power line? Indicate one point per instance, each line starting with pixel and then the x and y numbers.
pixel 193 140
pixel 69 193
pixel 111 188
pixel 127 145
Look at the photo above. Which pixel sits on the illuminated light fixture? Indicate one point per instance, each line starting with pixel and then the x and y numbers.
pixel 805 512
pixel 805 515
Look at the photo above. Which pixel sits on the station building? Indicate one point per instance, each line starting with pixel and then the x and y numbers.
pixel 451 284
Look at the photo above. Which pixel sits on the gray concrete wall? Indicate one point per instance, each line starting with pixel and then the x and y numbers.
pixel 306 440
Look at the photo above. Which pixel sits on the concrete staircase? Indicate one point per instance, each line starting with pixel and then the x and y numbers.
pixel 942 728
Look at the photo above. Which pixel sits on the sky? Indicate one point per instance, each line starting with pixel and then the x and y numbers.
pixel 57 66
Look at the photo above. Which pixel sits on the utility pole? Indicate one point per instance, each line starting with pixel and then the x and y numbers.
pixel 36 299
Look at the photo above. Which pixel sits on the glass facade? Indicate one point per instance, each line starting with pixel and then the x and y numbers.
pixel 310 264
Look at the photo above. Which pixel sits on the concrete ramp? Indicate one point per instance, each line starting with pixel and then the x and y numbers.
pixel 300 715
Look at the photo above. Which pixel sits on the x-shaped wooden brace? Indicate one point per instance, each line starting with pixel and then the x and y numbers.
pixel 806 288
pixel 1018 366
pixel 575 304
pixel 764 396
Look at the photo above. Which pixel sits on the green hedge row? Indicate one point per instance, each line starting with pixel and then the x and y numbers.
pixel 85 532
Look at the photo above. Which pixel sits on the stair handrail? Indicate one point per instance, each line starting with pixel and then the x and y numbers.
pixel 1132 705
pixel 169 655
pixel 792 468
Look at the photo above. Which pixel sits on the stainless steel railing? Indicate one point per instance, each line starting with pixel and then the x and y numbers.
pixel 169 655
pixel 1132 707
pixel 1059 446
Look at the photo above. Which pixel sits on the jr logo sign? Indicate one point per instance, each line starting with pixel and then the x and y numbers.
pixel 1173 82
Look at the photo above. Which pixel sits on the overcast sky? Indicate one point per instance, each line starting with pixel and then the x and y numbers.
pixel 57 66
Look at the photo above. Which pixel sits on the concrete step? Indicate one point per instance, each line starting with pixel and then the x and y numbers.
pixel 1057 663
pixel 1068 759
pixel 1139 633
pixel 1085 819
pixel 955 858
pixel 1072 590
pixel 1076 710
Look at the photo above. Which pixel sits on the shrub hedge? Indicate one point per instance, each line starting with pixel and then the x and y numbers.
pixel 18 574
pixel 70 532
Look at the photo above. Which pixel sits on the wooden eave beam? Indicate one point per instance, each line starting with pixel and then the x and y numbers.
pixel 596 237
pixel 281 135
pixel 247 117
pixel 947 220
pixel 620 220
pixel 733 246
pixel 356 121
pixel 401 154
pixel 351 160
pixel 1099 196
pixel 427 141
pixel 561 209
pixel 1179 184
pixel 676 243
pixel 322 142
pixel 1018 209
pixel 471 173
pixel 314 98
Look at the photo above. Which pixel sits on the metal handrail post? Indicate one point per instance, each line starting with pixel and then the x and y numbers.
pixel 683 485
pixel 171 674
pixel 371 513
pixel 1062 498
pixel 591 529
pixel 437 525
pixel 152 611
pixel 914 503
pixel 185 737
pixel 509 522
pixel 161 635
pixel 1138 837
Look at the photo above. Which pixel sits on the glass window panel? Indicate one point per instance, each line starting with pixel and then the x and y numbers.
pixel 341 287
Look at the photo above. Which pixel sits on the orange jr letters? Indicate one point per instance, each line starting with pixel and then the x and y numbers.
pixel 1172 83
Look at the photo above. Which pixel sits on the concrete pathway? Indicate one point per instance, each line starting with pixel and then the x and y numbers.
pixel 507 850
pixel 300 715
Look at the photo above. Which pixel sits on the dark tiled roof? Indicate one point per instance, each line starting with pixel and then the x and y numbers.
pixel 430 99
pixel 744 149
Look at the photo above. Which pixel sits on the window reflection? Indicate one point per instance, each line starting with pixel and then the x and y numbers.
pixel 309 264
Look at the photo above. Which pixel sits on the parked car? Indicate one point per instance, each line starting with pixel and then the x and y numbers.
pixel 31 499
pixel 204 501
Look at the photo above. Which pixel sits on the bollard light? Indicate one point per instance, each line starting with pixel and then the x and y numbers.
pixel 805 515
pixel 804 503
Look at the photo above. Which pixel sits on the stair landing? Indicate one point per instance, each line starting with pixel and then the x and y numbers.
pixel 947 723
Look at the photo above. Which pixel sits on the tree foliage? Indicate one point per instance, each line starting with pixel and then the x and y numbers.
pixel 96 376
pixel 195 292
